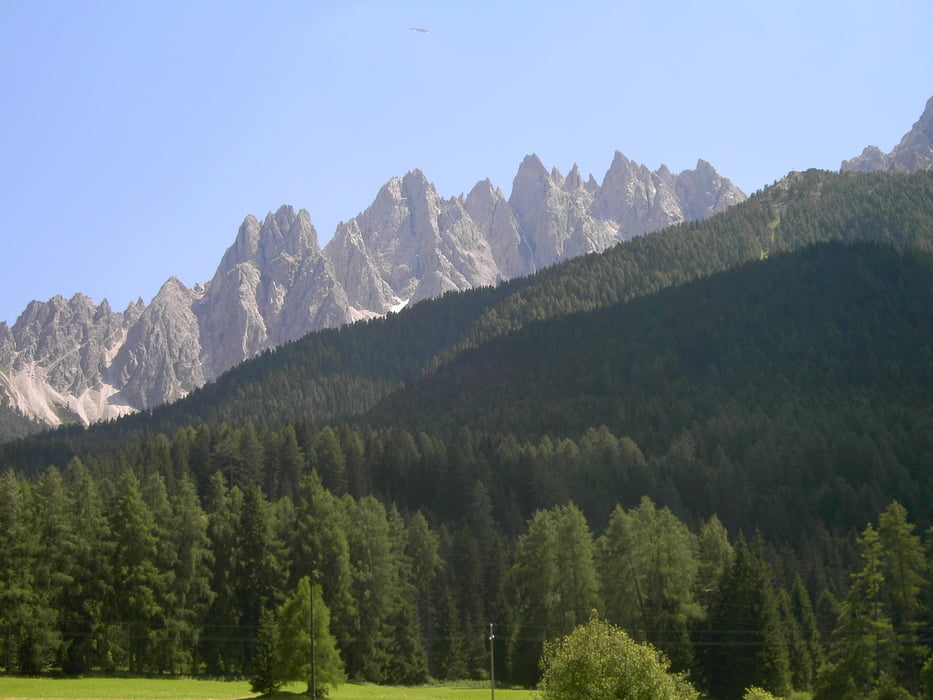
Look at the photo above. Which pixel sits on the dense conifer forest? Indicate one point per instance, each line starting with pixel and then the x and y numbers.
pixel 719 436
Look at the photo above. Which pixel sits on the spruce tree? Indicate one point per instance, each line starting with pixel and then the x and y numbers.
pixel 905 571
pixel 648 568
pixel 554 585
pixel 745 644
pixel 136 602
pixel 85 593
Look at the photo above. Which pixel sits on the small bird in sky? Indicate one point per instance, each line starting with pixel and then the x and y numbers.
pixel 420 29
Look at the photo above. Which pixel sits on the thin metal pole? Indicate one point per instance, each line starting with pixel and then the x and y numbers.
pixel 492 663
pixel 313 660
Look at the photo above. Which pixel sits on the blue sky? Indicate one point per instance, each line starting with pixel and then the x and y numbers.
pixel 135 135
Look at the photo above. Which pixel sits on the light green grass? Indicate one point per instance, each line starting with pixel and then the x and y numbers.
pixel 184 689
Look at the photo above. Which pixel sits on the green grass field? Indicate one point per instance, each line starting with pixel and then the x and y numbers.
pixel 184 689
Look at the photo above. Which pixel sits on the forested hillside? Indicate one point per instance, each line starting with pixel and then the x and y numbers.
pixel 692 425
pixel 338 374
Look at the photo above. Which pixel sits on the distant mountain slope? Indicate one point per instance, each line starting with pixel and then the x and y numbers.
pixel 790 395
pixel 914 152
pixel 75 361
pixel 341 374
pixel 826 323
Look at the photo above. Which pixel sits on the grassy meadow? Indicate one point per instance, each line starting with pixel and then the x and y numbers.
pixel 186 689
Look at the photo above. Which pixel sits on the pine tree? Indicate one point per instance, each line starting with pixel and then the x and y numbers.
pixel 905 569
pixel 135 555
pixel 30 640
pixel 714 554
pixel 220 649
pixel 85 593
pixel 190 593
pixel 263 676
pixel 745 645
pixel 811 656
pixel 863 648
pixel 554 584
pixel 260 571
pixel 375 580
pixel 320 546
pixel 647 567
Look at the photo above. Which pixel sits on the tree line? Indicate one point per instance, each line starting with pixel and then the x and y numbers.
pixel 141 575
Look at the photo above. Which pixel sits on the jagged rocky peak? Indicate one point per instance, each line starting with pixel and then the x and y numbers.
pixel 482 201
pixel 165 336
pixel 620 188
pixel 914 152
pixel 284 232
pixel 287 232
pixel 703 191
pixel 573 181
pixel 532 177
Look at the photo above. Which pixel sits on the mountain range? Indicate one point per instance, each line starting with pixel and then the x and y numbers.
pixel 772 359
pixel 74 361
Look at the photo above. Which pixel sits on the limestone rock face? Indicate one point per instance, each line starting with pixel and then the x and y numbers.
pixel 255 300
pixel 914 152
pixel 53 359
pixel 74 361
pixel 159 358
pixel 554 214
pixel 490 211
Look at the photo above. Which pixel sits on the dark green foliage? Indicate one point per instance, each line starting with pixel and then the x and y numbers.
pixel 14 425
pixel 553 583
pixel 745 643
pixel 649 556
pixel 27 617
pixel 877 642
pixel 344 372
pixel 425 467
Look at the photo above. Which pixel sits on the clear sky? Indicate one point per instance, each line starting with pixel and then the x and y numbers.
pixel 135 135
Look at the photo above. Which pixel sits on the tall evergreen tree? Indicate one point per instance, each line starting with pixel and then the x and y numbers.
pixel 905 574
pixel 220 648
pixel 863 647
pixel 89 587
pixel 190 593
pixel 374 587
pixel 297 645
pixel 422 549
pixel 554 584
pixel 136 599
pixel 648 568
pixel 29 640
pixel 714 554
pixel 56 537
pixel 745 645
pixel 810 657
pixel 408 661
pixel 320 547
pixel 259 573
